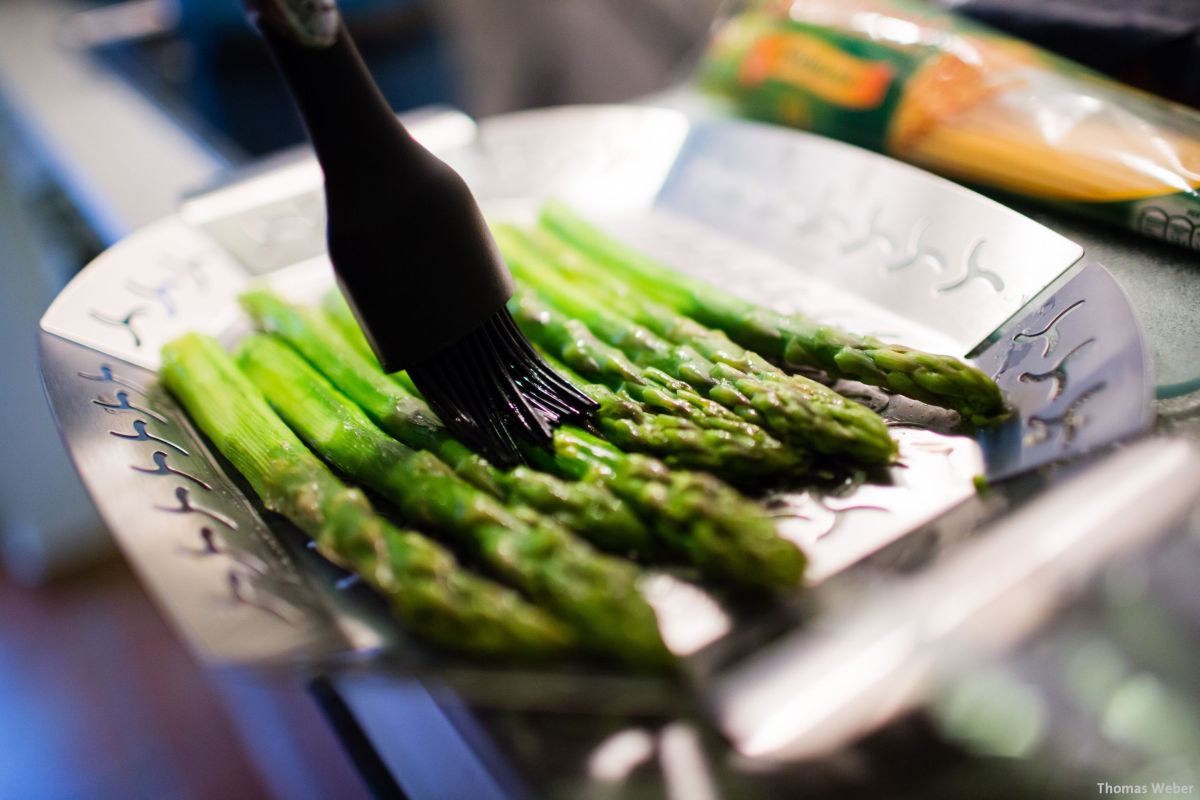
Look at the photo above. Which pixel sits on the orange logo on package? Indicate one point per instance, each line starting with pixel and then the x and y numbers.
pixel 817 67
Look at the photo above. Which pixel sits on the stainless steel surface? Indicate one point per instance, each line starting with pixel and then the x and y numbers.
pixel 1077 369
pixel 931 251
pixel 634 170
pixel 812 693
pixel 229 582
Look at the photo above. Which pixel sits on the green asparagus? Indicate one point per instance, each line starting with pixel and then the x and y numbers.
pixel 793 339
pixel 597 595
pixel 827 422
pixel 692 516
pixel 682 444
pixel 798 416
pixel 697 517
pixel 584 506
pixel 571 342
pixel 435 597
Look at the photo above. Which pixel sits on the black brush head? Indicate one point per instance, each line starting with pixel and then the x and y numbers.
pixel 493 391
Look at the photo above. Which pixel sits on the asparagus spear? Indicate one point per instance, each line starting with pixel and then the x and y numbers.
pixel 679 442
pixel 693 516
pixel 584 506
pixel 797 415
pixel 597 595
pixel 832 425
pixel 793 339
pixel 436 598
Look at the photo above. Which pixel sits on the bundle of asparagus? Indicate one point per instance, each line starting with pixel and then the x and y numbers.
pixel 584 506
pixel 793 339
pixel 689 516
pixel 684 402
pixel 597 595
pixel 801 411
pixel 434 596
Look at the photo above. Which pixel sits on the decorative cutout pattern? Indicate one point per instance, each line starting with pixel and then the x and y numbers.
pixel 1067 424
pixel 243 569
pixel 125 321
pixel 1049 334
pixel 974 270
pixel 161 467
pixel 185 506
pixel 1058 373
pixel 121 403
pixel 105 375
pixel 729 187
pixel 140 434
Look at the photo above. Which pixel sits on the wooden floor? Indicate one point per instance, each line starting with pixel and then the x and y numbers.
pixel 98 699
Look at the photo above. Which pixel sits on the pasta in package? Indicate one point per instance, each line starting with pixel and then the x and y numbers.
pixel 958 98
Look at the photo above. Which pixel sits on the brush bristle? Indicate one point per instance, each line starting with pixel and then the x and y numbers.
pixel 493 390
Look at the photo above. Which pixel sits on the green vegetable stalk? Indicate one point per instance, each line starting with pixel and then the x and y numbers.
pixel 793 339
pixel 682 444
pixel 571 342
pixel 696 517
pixel 691 516
pixel 821 418
pixel 432 594
pixel 584 506
pixel 597 595
pixel 796 414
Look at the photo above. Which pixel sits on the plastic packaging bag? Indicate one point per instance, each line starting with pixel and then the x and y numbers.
pixel 960 99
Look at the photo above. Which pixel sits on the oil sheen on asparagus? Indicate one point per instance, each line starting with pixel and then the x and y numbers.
pixel 429 590
pixel 596 594
pixel 690 516
pixel 793 339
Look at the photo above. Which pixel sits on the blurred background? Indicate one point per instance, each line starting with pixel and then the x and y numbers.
pixel 109 112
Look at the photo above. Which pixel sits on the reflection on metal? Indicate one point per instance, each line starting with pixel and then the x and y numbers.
pixel 165 280
pixel 812 506
pixel 839 214
pixel 872 235
pixel 685 767
pixel 688 616
pixel 190 267
pixel 615 758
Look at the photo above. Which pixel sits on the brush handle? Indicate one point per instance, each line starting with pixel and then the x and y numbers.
pixel 408 243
